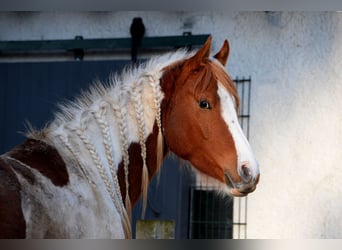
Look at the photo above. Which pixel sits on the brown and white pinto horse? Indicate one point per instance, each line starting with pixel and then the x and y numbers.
pixel 79 176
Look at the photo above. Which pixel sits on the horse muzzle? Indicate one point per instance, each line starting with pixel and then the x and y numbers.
pixel 247 185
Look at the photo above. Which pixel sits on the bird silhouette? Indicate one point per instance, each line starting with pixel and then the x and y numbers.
pixel 137 30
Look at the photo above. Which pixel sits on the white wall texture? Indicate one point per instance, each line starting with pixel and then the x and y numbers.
pixel 295 61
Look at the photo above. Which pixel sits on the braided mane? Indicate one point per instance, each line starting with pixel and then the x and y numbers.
pixel 97 128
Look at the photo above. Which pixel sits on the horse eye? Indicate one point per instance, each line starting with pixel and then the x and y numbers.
pixel 204 104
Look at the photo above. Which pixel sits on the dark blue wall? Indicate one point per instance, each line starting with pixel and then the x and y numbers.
pixel 30 91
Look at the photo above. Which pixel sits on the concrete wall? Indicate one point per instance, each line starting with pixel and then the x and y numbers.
pixel 295 61
pixel 296 126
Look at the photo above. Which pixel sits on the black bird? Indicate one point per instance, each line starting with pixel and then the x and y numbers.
pixel 137 32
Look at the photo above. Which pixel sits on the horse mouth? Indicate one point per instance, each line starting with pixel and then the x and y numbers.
pixel 240 189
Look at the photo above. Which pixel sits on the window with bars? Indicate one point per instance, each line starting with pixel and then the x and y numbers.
pixel 210 215
pixel 214 216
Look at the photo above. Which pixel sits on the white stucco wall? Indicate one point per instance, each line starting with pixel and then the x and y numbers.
pixel 295 61
pixel 296 126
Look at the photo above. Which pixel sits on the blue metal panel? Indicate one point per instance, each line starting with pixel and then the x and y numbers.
pixel 168 199
pixel 31 91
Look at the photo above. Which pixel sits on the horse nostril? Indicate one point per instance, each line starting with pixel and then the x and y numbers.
pixel 246 172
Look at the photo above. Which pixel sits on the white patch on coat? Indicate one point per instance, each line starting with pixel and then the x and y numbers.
pixel 77 210
pixel 243 148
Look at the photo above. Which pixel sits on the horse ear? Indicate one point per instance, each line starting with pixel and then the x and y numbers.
pixel 202 55
pixel 223 54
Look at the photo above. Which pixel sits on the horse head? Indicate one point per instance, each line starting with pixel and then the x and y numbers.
pixel 200 121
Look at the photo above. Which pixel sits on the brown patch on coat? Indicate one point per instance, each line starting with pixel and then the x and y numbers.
pixel 135 166
pixel 12 222
pixel 42 157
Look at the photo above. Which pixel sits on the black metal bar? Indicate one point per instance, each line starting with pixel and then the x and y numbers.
pixel 249 101
pixel 191 209
pixel 113 44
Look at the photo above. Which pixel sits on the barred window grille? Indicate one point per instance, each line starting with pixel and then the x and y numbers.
pixel 210 215
pixel 214 216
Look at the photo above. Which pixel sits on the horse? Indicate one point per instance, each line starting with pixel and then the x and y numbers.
pixel 80 175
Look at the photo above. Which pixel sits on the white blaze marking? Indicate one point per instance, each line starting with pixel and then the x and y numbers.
pixel 243 149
